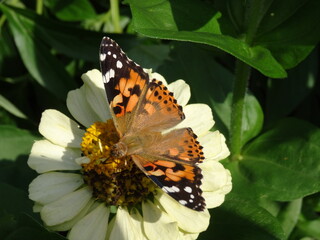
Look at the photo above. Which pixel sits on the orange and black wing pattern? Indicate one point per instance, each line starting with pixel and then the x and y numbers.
pixel 124 80
pixel 171 163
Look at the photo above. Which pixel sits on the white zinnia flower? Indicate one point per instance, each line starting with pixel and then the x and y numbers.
pixel 67 203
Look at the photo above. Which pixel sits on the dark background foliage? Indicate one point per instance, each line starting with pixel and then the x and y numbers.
pixel 266 50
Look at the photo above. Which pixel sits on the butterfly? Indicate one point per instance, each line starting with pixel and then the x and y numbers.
pixel 142 109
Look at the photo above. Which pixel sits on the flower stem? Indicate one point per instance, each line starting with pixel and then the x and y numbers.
pixel 39 7
pixel 239 91
pixel 115 15
pixel 255 10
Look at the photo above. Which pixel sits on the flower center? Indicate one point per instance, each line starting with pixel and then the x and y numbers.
pixel 114 180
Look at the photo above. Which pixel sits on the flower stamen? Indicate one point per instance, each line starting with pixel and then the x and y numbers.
pixel 114 180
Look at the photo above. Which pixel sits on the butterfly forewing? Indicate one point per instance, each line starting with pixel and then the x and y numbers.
pixel 124 81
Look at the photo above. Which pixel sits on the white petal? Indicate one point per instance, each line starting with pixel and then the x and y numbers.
pixel 216 183
pixel 215 176
pixel 157 223
pixel 214 146
pixel 157 76
pixel 198 117
pixel 188 219
pixel 92 226
pixel 137 222
pixel 46 156
pixel 66 207
pixel 96 94
pixel 181 91
pixel 67 225
pixel 187 236
pixel 60 129
pixel 37 207
pixel 213 199
pixel 126 227
pixel 49 187
pixel 82 160
pixel 80 108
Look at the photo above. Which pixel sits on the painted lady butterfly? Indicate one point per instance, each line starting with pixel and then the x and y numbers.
pixel 142 109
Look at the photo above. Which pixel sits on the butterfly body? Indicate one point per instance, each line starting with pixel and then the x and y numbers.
pixel 144 111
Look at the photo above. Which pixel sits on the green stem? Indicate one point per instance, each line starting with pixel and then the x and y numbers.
pixel 255 10
pixel 115 15
pixel 239 91
pixel 39 7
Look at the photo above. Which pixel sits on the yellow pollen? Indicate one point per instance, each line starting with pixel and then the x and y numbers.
pixel 116 181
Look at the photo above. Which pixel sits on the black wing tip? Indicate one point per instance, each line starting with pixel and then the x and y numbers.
pixel 200 206
pixel 106 40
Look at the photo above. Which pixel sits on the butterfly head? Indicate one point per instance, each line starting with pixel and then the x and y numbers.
pixel 119 150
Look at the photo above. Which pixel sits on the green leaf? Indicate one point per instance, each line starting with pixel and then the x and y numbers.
pixel 71 10
pixel 149 56
pixel 290 30
pixel 310 228
pixel 242 185
pixel 239 219
pixel 36 56
pixel 252 119
pixel 10 62
pixel 15 142
pixel 289 215
pixel 16 221
pixel 6 104
pixel 284 95
pixel 212 84
pixel 27 228
pixel 283 162
pixel 70 40
pixel 167 20
pixel 14 201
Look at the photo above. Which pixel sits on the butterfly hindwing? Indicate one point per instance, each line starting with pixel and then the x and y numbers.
pixel 178 145
pixel 181 181
pixel 171 161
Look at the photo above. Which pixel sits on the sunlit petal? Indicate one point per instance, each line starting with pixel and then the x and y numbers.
pixel 46 156
pixel 65 208
pixel 60 129
pixel 93 226
pixel 56 184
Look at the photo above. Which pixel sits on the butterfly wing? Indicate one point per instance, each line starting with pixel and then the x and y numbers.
pixel 124 82
pixel 136 102
pixel 171 163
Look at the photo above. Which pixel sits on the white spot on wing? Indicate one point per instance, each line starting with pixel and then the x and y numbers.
pixel 102 56
pixel 114 56
pixel 171 189
pixel 109 53
pixel 108 75
pixel 119 64
pixel 183 202
pixel 188 189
